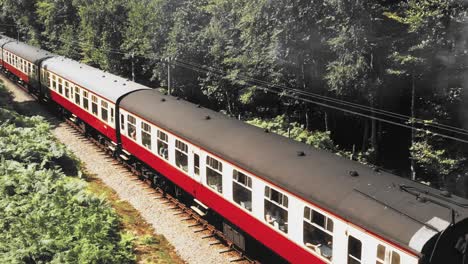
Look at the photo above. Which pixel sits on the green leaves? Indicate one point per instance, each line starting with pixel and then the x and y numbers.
pixel 46 216
pixel 280 125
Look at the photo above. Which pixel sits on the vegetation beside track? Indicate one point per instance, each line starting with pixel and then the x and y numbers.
pixel 50 214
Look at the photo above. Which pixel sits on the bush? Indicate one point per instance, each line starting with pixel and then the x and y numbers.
pixel 46 216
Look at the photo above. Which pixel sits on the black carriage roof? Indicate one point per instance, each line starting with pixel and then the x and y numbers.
pixel 30 53
pixel 104 84
pixel 380 202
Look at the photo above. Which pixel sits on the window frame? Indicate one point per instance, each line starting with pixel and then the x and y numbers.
pixel 247 186
pixel 94 104
pixel 196 164
pixel 275 202
pixel 326 220
pixel 104 111
pixel 77 96
pixel 268 199
pixel 60 86
pixel 348 253
pixel 54 82
pixel 388 255
pixel 181 148
pixel 210 164
pixel 67 90
pixel 85 97
pixel 122 122
pixel 163 140
pixel 131 122
pixel 146 130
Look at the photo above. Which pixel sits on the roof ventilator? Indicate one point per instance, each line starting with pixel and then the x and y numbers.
pixel 421 199
pixel 301 153
pixel 163 100
pixel 266 130
pixel 353 173
pixel 207 117
pixel 199 106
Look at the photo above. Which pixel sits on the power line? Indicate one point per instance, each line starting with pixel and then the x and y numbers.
pixel 346 103
pixel 284 89
pixel 339 108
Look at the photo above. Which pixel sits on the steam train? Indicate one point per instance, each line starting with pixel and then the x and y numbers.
pixel 305 205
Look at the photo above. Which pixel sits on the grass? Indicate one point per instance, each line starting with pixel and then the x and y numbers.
pixel 149 247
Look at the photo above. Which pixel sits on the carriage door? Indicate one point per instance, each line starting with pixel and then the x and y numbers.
pixel 196 166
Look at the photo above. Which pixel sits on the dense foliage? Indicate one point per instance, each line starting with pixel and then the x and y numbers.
pixel 403 56
pixel 46 216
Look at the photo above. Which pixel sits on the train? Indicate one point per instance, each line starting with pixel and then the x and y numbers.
pixel 267 192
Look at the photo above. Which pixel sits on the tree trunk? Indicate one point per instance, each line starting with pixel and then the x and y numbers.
pixel 413 132
pixel 373 138
pixel 325 117
pixel 365 136
pixel 133 67
pixel 228 102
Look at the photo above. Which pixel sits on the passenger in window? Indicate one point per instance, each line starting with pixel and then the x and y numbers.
pixel 274 218
pixel 132 132
pixel 163 152
pixel 318 240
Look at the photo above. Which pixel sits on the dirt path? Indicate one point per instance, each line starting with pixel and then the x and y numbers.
pixel 189 245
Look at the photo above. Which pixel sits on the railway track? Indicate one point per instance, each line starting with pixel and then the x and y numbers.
pixel 193 219
pixel 184 213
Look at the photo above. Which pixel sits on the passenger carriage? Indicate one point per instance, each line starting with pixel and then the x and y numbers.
pixel 306 205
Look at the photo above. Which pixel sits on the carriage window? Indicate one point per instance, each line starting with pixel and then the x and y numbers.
pixel 112 115
pixel 122 122
pixel 391 256
pixel 163 147
pixel 354 250
pixel 318 232
pixel 31 68
pixel 181 155
pixel 196 164
pixel 146 135
pixel 276 209
pixel 395 258
pixel 131 125
pixel 242 189
pixel 54 82
pixel 60 86
pixel 85 100
pixel 214 177
pixel 94 105
pixel 43 76
pixel 67 90
pixel 77 95
pixel 47 78
pixel 104 110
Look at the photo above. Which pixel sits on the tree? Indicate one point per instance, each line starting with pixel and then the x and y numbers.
pixel 429 48
pixel 60 25
pixel 100 35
